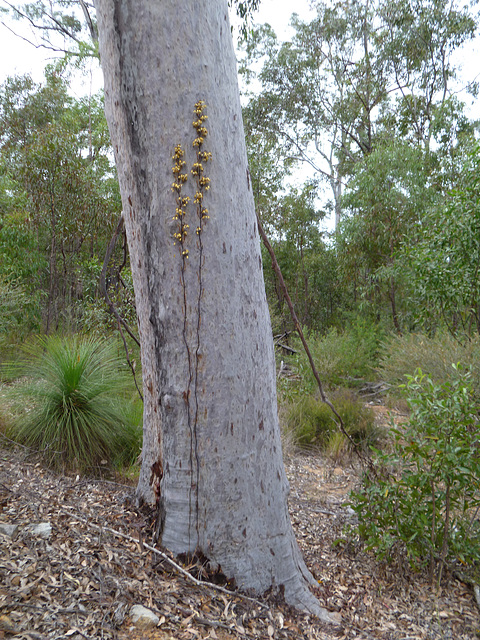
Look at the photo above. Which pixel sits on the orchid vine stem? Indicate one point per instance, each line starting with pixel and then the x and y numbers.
pixel 180 237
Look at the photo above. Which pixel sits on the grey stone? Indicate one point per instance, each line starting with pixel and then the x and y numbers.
pixel 119 614
pixel 43 529
pixel 143 617
pixel 8 529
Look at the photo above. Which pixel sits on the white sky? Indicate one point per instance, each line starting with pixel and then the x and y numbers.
pixel 18 57
pixel 278 12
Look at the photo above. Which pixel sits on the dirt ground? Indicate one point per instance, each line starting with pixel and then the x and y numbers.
pixel 80 579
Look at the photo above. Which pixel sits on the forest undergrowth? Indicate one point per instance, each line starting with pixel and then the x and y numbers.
pixel 404 477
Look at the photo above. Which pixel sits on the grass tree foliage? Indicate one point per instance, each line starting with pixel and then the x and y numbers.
pixel 74 403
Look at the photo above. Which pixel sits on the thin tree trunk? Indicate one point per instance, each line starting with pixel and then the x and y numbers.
pixel 53 277
pixel 393 305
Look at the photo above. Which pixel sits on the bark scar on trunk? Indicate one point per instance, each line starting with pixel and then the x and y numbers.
pixel 155 481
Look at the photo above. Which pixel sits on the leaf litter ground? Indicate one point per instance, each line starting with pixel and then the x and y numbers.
pixel 81 580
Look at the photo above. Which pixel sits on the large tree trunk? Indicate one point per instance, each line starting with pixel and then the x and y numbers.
pixel 212 459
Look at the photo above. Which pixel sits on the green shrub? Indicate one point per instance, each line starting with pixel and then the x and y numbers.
pixel 313 424
pixel 310 421
pixel 423 501
pixel 73 403
pixel 342 359
pixel 403 355
pixel 3 422
pixel 130 437
pixel 19 310
pixel 19 317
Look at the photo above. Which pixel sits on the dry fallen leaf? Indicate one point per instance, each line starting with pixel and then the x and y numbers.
pixel 6 625
pixel 74 582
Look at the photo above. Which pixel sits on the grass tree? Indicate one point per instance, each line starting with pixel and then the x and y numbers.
pixel 71 403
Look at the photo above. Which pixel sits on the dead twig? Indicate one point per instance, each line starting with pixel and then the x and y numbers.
pixel 278 272
pixel 164 556
pixel 111 307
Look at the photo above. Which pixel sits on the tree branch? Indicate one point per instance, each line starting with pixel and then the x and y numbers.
pixel 298 327
pixel 111 307
pixel 164 556
pixel 60 28
pixel 89 21
pixel 39 46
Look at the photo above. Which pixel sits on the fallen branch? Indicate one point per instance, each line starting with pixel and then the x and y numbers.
pixel 164 556
pixel 286 347
pixel 466 579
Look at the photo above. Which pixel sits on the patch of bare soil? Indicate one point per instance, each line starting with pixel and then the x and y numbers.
pixel 81 578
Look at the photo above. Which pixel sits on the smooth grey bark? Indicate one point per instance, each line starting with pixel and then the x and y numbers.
pixel 212 458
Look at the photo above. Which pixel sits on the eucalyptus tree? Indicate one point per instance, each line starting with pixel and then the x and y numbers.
pixel 385 200
pixel 320 90
pixel 418 40
pixel 442 256
pixel 21 262
pixel 212 458
pixel 306 259
pixel 364 93
pixel 354 74
pixel 62 194
pixel 212 461
pixel 394 195
pixel 291 219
